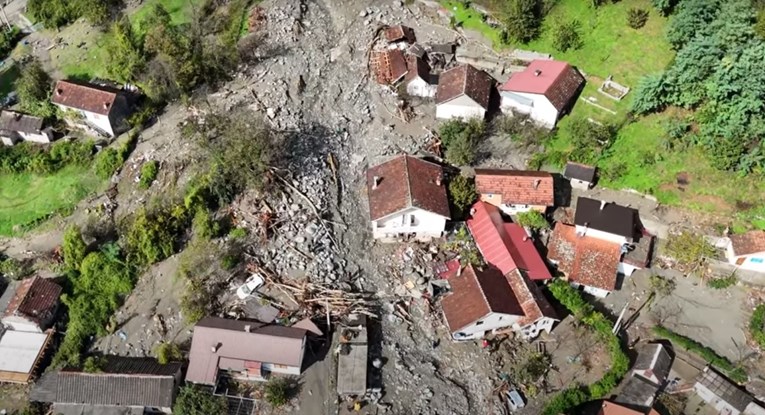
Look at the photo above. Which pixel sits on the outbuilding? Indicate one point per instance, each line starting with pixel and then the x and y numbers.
pixel 463 92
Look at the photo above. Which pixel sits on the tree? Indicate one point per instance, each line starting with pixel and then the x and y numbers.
pixel 649 95
pixel 566 35
pixel 124 52
pixel 34 88
pixel 684 83
pixel 73 248
pixel 57 13
pixel 636 18
pixel 150 236
pixel 522 19
pixel 462 192
pixel 693 18
pixel 759 27
pixel 460 138
pixel 589 139
pixel 193 400
pixel 665 7
pixel 532 219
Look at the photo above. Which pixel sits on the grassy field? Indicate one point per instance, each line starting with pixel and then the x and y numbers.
pixel 180 11
pixel 27 199
pixel 471 19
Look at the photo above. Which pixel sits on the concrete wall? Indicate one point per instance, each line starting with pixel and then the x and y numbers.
pixel 713 400
pixel 411 221
pixel 533 330
pixel 19 323
pixel 580 184
pixel 753 262
pixel 626 269
pixel 606 236
pixel 511 209
pixel 597 292
pixel 36 138
pixel 540 110
pixel 418 87
pixel 460 107
pixel 491 322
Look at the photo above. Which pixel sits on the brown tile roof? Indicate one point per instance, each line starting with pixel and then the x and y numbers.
pixel 36 299
pixel 475 294
pixel 405 182
pixel 400 32
pixel 748 243
pixel 465 80
pixel 90 98
pixel 416 67
pixel 517 186
pixel 610 408
pixel 388 66
pixel 556 80
pixel 528 294
pixel 262 343
pixel 584 259
pixel 16 121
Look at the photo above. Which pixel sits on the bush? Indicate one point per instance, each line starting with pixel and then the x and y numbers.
pixel 566 35
pixel 194 400
pixel 757 325
pixel 649 95
pixel 664 7
pixel 532 219
pixel 107 162
pixel 34 87
pixel 203 225
pixel 589 139
pixel 735 373
pixel 637 18
pixel 722 283
pixel 460 139
pixel 462 193
pixel 8 40
pixel 149 172
pixel 13 268
pixel 56 13
pixel 150 236
pixel 168 352
pixel 93 364
pixel 73 249
pixel 237 233
pixel 278 391
pixel 522 19
pixel 688 249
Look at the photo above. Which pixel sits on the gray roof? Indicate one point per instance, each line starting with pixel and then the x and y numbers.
pixel 123 382
pixel 8 294
pixel 724 389
pixel 654 357
pixel 637 392
pixel 606 217
pixel 16 121
pixel 579 171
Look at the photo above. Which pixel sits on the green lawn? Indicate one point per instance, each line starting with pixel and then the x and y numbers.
pixel 8 78
pixel 471 19
pixel 180 10
pixel 27 199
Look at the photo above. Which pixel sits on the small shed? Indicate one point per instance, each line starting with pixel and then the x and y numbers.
pixel 581 176
pixel 352 357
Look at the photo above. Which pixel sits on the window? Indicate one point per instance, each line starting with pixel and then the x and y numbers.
pixel 756 260
pixel 479 322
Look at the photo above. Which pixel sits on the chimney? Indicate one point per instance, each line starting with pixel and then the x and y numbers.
pixel 537 72
pixel 602 204
pixel 525 238
pixel 537 182
pixel 106 105
pixel 247 328
pixel 59 91
pixel 375 182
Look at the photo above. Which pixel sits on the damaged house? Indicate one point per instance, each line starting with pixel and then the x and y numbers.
pixel 388 66
pixel 515 191
pixel 400 34
pixel 606 241
pixel 95 107
pixel 418 80
pixel 463 92
pixel 545 91
pixel 16 127
pixel 648 376
pixel 407 199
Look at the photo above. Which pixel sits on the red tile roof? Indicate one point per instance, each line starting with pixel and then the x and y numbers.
pixel 88 98
pixel 505 245
pixel 388 66
pixel 584 259
pixel 465 80
pixel 474 294
pixel 610 408
pixel 517 186
pixel 406 182
pixel 35 299
pixel 400 32
pixel 752 242
pixel 557 81
pixel 416 67
pixel 528 294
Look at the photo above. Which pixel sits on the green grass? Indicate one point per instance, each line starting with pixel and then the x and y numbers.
pixel 180 11
pixel 8 78
pixel 471 19
pixel 84 62
pixel 27 199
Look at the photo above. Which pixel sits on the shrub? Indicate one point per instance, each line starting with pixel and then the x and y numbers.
pixel 462 192
pixel 203 225
pixel 649 94
pixel 73 248
pixel 150 237
pixel 735 373
pixel 93 364
pixel 237 233
pixel 34 87
pixel 460 139
pixel 566 35
pixel 149 172
pixel 194 400
pixel 107 162
pixel 757 325
pixel 722 283
pixel 532 219
pixel 13 268
pixel 278 390
pixel 664 7
pixel 168 352
pixel 637 18
pixel 522 19
pixel 688 249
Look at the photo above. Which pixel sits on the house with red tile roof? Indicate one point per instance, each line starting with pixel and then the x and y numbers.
pixel 545 91
pixel 419 82
pixel 98 108
pixel 747 250
pixel 407 199
pixel 485 301
pixel 515 191
pixel 30 305
pixel 505 245
pixel 463 92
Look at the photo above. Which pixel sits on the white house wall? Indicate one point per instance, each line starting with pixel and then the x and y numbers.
pixel 541 110
pixel 35 138
pixel 425 224
pixel 493 321
pixel 100 121
pixel 709 397
pixel 626 269
pixel 511 209
pixel 580 184
pixel 597 292
pixel 460 107
pixel 283 369
pixel 752 262
pixel 418 87
pixel 534 329
pixel 606 236
pixel 18 323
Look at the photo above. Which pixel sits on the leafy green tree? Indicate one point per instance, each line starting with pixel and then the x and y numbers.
pixel 522 19
pixel 589 139
pixel 532 219
pixel 193 400
pixel 462 192
pixel 151 235
pixel 650 94
pixel 759 26
pixel 34 87
pixel 566 35
pixel 460 139
pixel 124 52
pixel 278 391
pixel 693 18
pixel 168 352
pixel 665 7
pixel 684 83
pixel 57 13
pixel 73 248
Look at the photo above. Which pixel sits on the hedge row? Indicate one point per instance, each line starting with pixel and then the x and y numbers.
pixel 756 324
pixel 734 372
pixel 572 397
